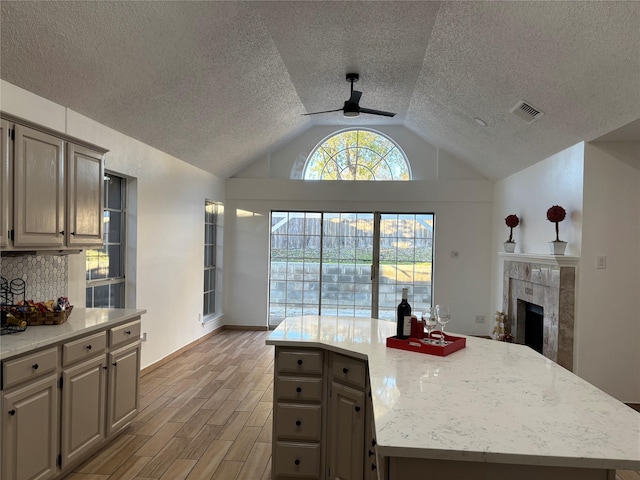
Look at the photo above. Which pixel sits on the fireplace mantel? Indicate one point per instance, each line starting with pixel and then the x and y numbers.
pixel 557 260
pixel 550 282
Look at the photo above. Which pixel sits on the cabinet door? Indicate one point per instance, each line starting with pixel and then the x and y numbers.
pixel 30 431
pixel 83 408
pixel 345 447
pixel 124 376
pixel 6 200
pixel 85 184
pixel 38 190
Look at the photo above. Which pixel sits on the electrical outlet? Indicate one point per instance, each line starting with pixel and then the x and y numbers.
pixel 144 337
pixel 479 318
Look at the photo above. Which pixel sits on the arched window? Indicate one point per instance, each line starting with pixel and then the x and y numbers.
pixel 357 155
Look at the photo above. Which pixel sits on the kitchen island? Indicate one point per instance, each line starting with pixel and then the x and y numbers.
pixel 491 410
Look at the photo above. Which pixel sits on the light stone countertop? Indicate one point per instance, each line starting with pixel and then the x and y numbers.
pixel 80 321
pixel 489 402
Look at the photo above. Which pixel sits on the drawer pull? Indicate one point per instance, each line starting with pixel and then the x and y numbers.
pixel 345 370
pixel 373 467
pixel 357 408
pixel 35 366
pixel 128 332
pixel 298 423
pixel 88 347
pixel 297 462
pixel 12 412
pixel 373 442
pixel 114 364
pixel 371 453
pixel 299 361
pixel 298 389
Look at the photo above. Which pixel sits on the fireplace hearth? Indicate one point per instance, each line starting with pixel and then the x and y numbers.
pixel 548 283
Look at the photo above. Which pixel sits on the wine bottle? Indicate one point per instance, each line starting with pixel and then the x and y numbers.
pixel 403 320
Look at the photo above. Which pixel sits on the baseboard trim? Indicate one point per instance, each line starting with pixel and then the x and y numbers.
pixel 635 406
pixel 246 327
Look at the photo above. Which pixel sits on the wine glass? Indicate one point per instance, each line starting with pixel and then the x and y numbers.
pixel 429 319
pixel 444 315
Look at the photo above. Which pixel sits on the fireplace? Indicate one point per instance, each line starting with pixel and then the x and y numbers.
pixel 548 283
pixel 532 333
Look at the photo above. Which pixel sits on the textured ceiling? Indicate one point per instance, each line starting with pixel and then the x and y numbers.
pixel 220 84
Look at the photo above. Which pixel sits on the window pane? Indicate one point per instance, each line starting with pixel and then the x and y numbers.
pixel 101 296
pixel 113 226
pixel 114 267
pixel 113 192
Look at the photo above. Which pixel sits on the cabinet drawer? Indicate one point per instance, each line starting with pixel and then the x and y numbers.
pixel 84 347
pixel 300 361
pixel 298 422
pixel 299 388
pixel 297 460
pixel 349 371
pixel 29 367
pixel 125 333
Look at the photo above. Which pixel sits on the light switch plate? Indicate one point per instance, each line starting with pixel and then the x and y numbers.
pixel 601 262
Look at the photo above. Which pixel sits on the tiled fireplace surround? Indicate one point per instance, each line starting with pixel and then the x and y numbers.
pixel 548 281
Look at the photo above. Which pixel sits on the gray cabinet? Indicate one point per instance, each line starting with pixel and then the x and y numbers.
pixel 124 398
pixel 39 192
pixel 6 195
pixel 85 174
pixel 321 416
pixel 60 404
pixel 298 414
pixel 52 189
pixel 30 418
pixel 346 418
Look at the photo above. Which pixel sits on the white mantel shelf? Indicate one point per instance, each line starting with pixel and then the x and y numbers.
pixel 556 260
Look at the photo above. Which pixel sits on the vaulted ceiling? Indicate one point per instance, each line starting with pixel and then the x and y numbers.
pixel 221 84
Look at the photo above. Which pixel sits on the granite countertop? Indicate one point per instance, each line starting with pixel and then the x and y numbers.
pixel 489 402
pixel 80 321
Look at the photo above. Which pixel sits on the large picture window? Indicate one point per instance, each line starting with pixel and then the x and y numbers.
pixel 349 264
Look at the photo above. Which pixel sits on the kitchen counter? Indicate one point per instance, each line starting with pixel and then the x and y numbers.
pixel 490 402
pixel 80 321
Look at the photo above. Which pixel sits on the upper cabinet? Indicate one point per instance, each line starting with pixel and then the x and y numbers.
pixel 54 192
pixel 5 184
pixel 85 183
pixel 39 192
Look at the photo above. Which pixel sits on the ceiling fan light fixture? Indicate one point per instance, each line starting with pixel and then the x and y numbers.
pixel 352 113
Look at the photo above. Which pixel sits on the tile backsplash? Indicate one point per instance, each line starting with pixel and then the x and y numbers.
pixel 46 276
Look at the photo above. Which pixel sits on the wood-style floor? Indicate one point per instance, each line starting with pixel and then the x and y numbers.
pixel 204 415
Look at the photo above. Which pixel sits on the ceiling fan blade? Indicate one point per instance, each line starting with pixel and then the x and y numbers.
pixel 377 112
pixel 355 97
pixel 325 111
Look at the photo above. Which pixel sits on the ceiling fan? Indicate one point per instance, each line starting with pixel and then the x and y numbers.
pixel 352 106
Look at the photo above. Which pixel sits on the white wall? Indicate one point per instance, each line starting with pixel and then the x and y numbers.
pixel 599 186
pixel 460 198
pixel 166 215
pixel 608 331
pixel 556 180
pixel 427 162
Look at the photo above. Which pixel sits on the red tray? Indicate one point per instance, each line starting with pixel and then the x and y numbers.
pixel 415 345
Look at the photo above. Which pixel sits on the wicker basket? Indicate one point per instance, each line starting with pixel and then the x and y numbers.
pixel 34 318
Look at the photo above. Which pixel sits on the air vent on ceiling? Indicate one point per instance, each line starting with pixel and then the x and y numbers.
pixel 526 112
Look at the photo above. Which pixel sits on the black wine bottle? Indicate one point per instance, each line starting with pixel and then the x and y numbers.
pixel 403 320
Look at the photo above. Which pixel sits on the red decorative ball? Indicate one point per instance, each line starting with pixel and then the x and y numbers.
pixel 556 214
pixel 512 221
